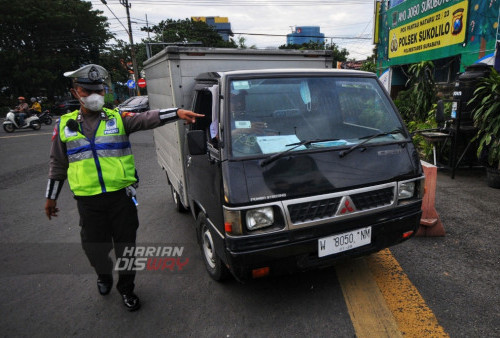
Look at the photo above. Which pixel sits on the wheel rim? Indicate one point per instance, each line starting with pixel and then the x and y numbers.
pixel 208 247
pixel 8 127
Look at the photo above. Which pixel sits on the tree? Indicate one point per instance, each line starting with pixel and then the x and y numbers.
pixel 117 60
pixel 242 43
pixel 369 66
pixel 337 54
pixel 188 31
pixel 43 38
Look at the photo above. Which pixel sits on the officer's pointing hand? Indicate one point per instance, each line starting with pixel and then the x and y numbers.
pixel 188 115
pixel 50 208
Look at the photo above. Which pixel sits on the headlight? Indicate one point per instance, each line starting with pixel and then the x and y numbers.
pixel 406 190
pixel 259 218
pixel 253 221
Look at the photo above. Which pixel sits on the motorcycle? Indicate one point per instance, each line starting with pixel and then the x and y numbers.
pixel 11 122
pixel 45 117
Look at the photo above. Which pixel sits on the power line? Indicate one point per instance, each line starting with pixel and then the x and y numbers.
pixel 105 4
pixel 264 3
pixel 308 36
pixel 246 3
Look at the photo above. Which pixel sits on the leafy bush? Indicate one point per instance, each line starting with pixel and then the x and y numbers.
pixel 486 117
pixel 406 105
pixel 417 104
pixel 424 148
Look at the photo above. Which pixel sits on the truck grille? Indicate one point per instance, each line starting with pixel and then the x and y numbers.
pixel 373 199
pixel 327 208
pixel 309 211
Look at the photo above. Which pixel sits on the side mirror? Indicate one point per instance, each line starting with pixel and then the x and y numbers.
pixel 440 112
pixel 197 142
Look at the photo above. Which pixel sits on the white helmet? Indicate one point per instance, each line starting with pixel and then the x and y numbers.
pixel 33 99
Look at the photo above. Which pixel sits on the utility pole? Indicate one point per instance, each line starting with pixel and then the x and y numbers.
pixel 132 48
pixel 129 32
pixel 147 25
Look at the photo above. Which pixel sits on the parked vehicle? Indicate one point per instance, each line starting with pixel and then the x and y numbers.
pixel 65 107
pixel 293 167
pixel 124 103
pixel 11 122
pixel 45 117
pixel 135 104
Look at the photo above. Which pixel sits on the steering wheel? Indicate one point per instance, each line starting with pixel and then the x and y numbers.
pixel 246 143
pixel 245 140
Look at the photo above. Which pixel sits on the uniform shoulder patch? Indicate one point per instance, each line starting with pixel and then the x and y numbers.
pixel 55 132
pixel 127 114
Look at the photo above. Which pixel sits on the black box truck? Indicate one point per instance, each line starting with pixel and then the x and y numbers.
pixel 294 165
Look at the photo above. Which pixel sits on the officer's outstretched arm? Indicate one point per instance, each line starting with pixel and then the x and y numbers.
pixel 171 114
pixel 188 115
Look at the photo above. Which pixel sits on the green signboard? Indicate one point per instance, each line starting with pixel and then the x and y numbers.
pixel 418 30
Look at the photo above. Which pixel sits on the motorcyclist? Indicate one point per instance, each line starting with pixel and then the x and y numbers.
pixel 35 108
pixel 22 110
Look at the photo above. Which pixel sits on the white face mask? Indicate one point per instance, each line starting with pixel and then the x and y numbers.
pixel 93 102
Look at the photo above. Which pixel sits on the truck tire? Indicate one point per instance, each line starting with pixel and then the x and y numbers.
pixel 215 267
pixel 177 200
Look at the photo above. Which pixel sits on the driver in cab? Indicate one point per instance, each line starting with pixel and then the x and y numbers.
pixel 240 117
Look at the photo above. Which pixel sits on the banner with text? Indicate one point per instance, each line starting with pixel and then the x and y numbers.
pixel 440 29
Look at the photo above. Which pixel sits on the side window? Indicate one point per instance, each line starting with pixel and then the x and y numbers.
pixel 203 105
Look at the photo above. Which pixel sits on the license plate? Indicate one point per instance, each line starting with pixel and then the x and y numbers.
pixel 348 240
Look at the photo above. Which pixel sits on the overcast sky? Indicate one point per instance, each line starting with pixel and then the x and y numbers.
pixel 336 19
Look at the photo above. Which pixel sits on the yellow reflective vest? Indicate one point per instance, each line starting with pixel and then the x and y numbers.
pixel 100 164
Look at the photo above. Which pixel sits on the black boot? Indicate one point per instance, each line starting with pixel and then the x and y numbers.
pixel 104 284
pixel 131 301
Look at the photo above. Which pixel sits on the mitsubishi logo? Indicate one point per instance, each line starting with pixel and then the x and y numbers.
pixel 346 206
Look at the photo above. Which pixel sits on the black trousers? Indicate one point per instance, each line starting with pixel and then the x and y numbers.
pixel 108 220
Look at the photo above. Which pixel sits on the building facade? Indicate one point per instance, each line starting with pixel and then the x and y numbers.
pixel 305 34
pixel 220 24
pixel 453 34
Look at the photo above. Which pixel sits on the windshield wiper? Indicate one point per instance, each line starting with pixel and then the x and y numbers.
pixel 369 138
pixel 276 156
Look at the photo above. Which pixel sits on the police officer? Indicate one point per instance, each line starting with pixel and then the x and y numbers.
pixel 91 148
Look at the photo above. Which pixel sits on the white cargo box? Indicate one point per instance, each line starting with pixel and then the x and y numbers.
pixel 171 77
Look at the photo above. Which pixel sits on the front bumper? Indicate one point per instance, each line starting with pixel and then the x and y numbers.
pixel 294 250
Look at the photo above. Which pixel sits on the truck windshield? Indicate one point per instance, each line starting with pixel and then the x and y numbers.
pixel 272 115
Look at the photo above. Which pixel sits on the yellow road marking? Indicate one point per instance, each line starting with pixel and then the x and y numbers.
pixel 24 135
pixel 370 315
pixel 414 317
pixel 381 300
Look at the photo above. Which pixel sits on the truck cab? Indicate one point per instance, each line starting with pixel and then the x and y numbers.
pixel 292 169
